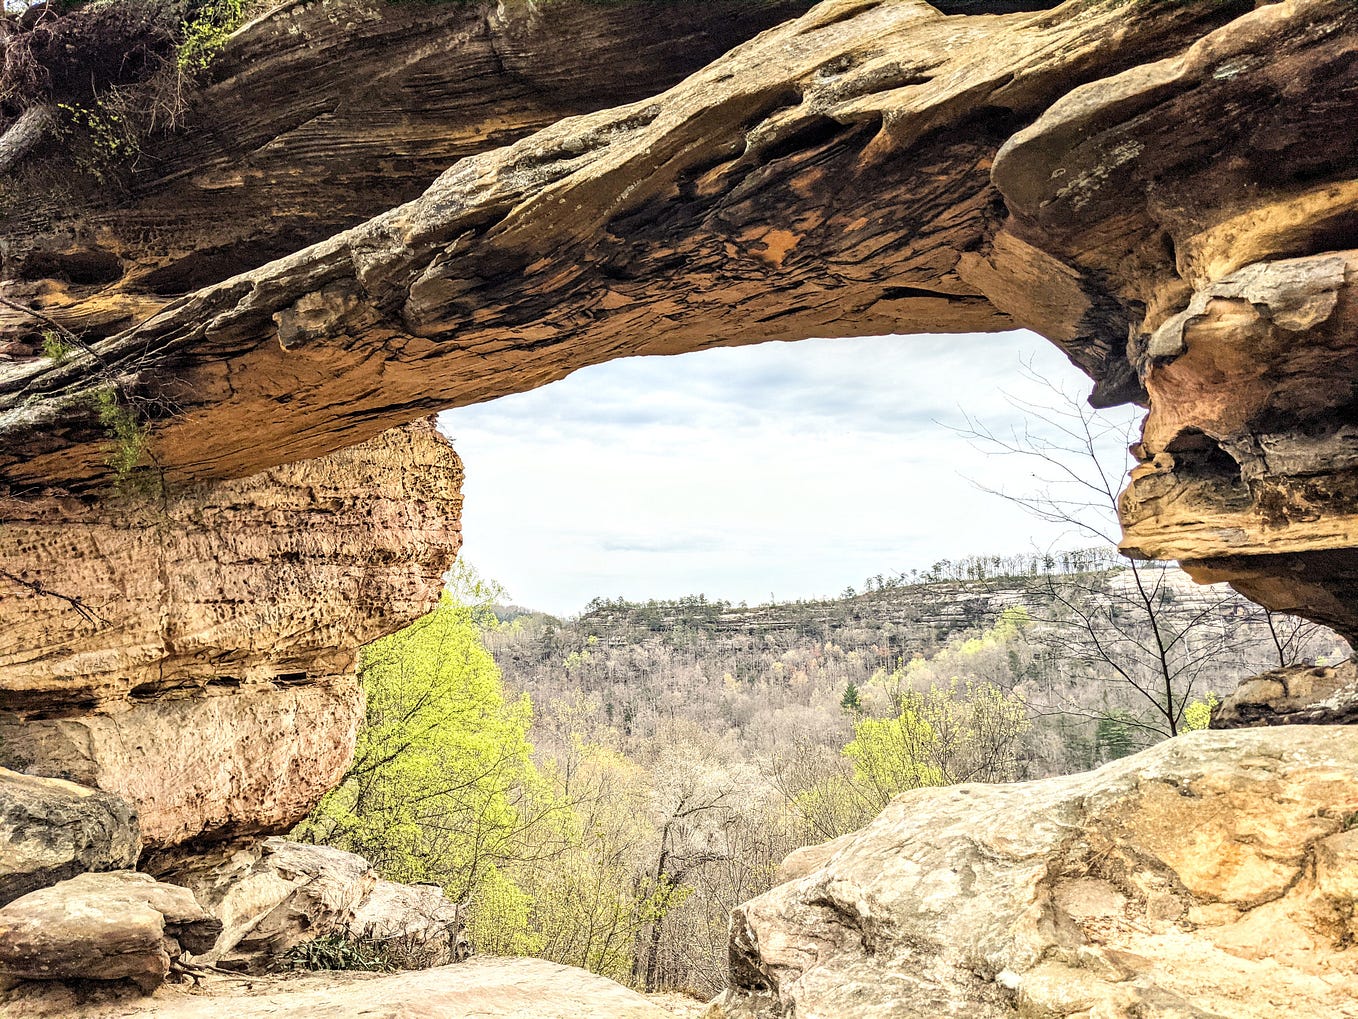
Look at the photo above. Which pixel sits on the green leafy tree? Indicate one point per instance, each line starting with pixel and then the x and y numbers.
pixel 433 793
pixel 957 733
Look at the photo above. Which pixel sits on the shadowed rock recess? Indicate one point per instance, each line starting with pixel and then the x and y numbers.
pixel 219 352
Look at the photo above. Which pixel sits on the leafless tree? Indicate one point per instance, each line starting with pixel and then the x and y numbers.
pixel 1119 631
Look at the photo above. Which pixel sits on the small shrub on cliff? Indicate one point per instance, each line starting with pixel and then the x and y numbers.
pixel 128 435
pixel 338 951
pixel 206 32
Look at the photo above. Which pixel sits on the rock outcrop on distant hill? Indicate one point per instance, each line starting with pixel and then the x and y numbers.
pixel 1210 876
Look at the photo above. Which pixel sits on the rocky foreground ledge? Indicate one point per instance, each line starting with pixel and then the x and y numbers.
pixel 484 988
pixel 1214 876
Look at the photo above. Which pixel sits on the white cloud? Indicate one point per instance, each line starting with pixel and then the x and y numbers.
pixel 789 470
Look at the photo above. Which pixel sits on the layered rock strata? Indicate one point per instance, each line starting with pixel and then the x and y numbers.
pixel 1210 876
pixel 1067 170
pixel 193 651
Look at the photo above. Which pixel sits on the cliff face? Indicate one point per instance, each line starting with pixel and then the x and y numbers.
pixel 868 167
pixel 194 651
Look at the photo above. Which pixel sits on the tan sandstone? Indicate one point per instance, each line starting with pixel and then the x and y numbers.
pixel 1207 877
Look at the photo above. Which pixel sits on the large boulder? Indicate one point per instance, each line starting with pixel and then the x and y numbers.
pixel 115 926
pixel 274 896
pixel 277 895
pixel 1210 876
pixel 1296 695
pixel 413 926
pixel 257 757
pixel 51 830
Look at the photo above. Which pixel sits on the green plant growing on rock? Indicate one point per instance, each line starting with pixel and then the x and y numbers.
pixel 54 346
pixel 204 34
pixel 128 435
pixel 338 951
pixel 105 139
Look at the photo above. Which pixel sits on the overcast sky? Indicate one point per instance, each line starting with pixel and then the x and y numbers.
pixel 782 470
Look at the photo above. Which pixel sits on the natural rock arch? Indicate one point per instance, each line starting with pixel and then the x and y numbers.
pixel 870 166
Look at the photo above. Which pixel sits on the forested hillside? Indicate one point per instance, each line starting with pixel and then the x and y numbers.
pixel 626 777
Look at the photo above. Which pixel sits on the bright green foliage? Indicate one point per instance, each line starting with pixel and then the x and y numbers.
pixel 128 436
pixel 430 795
pixel 1198 715
pixel 108 139
pixel 954 733
pixel 54 347
pixel 891 755
pixel 206 33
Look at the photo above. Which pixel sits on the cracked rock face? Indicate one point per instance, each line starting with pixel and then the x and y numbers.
pixel 52 830
pixel 229 611
pixel 1209 876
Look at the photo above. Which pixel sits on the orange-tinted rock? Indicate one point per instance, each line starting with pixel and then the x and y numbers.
pixel 865 168
pixel 207 673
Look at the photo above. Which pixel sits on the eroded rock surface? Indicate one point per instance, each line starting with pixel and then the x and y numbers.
pixel 867 167
pixel 1210 876
pixel 415 926
pixel 274 896
pixel 115 926
pixel 1297 695
pixel 207 673
pixel 51 830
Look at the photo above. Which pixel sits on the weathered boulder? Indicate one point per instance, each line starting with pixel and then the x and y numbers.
pixel 273 896
pixel 1297 695
pixel 51 830
pixel 115 926
pixel 194 651
pixel 477 989
pixel 414 926
pixel 1210 876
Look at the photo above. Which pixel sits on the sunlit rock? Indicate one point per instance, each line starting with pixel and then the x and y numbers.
pixel 1178 882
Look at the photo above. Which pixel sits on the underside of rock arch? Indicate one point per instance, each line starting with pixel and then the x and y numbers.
pixel 373 212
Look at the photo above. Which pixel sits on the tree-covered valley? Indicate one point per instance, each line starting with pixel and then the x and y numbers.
pixel 603 790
